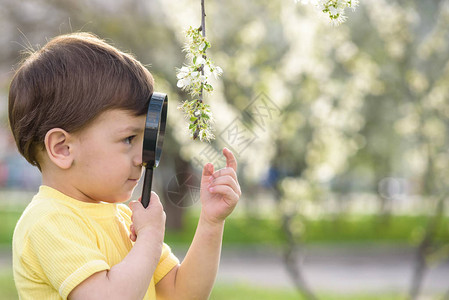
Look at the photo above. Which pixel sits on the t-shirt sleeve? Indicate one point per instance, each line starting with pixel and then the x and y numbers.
pixel 66 250
pixel 167 262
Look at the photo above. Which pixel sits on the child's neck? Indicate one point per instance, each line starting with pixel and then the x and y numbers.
pixel 61 183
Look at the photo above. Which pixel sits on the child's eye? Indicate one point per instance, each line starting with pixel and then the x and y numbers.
pixel 129 139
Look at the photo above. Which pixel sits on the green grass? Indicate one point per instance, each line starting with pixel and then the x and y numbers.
pixel 7 288
pixel 252 230
pixel 237 231
pixel 398 229
pixel 247 292
pixel 9 220
pixel 351 229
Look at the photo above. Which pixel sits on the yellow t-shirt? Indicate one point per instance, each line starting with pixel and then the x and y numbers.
pixel 59 242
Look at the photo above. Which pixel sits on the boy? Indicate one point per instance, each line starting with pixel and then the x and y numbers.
pixel 77 111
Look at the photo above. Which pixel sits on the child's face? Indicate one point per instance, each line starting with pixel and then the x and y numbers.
pixel 108 157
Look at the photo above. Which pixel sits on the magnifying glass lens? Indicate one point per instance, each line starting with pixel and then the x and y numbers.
pixel 153 140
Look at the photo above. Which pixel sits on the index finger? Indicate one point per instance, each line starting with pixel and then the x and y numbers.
pixel 231 162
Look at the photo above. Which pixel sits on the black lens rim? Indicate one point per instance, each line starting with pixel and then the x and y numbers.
pixel 154 133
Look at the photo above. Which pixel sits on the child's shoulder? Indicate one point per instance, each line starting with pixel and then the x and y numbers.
pixel 41 218
pixel 50 208
pixel 40 211
pixel 44 205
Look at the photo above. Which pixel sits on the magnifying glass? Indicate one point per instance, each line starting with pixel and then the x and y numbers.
pixel 153 140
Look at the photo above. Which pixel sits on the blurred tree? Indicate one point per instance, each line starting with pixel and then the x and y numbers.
pixel 366 105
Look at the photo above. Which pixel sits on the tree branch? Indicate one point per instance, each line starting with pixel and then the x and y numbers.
pixel 203 31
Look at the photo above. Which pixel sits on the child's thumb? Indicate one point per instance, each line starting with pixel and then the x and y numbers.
pixel 154 200
pixel 135 205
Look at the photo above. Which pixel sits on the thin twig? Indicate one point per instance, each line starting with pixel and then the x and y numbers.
pixel 203 31
pixel 203 19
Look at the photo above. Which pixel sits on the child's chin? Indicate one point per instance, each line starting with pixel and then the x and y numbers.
pixel 121 198
pixel 126 196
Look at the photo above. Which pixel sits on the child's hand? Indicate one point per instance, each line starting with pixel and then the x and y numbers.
pixel 220 190
pixel 148 221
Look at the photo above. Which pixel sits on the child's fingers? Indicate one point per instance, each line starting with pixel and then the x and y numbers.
pixel 226 191
pixel 134 205
pixel 224 172
pixel 231 167
pixel 226 180
pixel 132 237
pixel 208 169
pixel 155 202
pixel 155 207
pixel 137 205
pixel 231 162
pixel 132 234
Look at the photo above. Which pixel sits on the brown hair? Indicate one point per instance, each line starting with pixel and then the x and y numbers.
pixel 68 83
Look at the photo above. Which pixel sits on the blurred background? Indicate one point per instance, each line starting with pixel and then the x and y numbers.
pixel 341 134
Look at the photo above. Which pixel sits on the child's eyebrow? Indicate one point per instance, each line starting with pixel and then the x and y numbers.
pixel 131 129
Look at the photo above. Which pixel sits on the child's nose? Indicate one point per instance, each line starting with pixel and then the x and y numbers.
pixel 137 157
pixel 137 161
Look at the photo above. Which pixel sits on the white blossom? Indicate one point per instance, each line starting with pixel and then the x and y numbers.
pixel 194 78
pixel 217 71
pixel 307 1
pixel 199 60
pixel 334 9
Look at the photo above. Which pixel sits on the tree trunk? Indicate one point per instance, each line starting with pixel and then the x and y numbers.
pixel 291 256
pixel 424 248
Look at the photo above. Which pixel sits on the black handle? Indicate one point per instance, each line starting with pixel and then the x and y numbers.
pixel 146 191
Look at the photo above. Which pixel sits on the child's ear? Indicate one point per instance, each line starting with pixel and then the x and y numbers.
pixel 59 148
